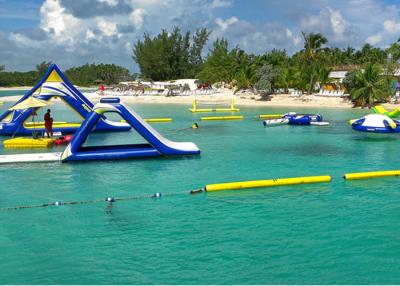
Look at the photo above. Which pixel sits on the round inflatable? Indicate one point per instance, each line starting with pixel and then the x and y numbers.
pixel 376 123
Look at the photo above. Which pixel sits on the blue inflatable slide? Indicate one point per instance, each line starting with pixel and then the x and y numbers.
pixel 157 145
pixel 54 84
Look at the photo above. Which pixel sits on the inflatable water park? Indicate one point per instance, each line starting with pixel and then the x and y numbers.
pixel 156 145
pixel 54 84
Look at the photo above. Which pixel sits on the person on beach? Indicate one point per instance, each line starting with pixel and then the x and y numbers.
pixel 102 88
pixel 48 123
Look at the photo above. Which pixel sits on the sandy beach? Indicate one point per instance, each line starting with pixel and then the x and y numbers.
pixel 15 88
pixel 274 100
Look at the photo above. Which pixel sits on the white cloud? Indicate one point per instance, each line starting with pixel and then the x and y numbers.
pixel 374 39
pixel 57 22
pixel 23 41
pixel 391 26
pixel 109 2
pixel 108 28
pixel 220 4
pixel 137 17
pixel 332 24
pixel 223 25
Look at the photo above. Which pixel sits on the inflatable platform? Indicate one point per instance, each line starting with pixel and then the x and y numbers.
pixel 53 85
pixel 376 123
pixel 293 118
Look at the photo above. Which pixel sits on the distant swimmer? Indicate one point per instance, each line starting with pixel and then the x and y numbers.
pixel 195 126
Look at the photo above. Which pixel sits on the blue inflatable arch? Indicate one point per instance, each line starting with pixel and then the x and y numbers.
pixel 54 84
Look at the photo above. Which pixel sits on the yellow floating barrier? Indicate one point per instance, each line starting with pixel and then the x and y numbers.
pixel 152 120
pixel 57 124
pixel 370 175
pixel 21 142
pixel 158 119
pixel 267 183
pixel 233 117
pixel 270 116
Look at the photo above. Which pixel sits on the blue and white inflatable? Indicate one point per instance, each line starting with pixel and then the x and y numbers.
pixel 157 145
pixel 376 123
pixel 54 84
pixel 293 118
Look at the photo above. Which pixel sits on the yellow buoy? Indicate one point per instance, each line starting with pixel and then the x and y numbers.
pixel 369 175
pixel 270 116
pixel 267 183
pixel 236 117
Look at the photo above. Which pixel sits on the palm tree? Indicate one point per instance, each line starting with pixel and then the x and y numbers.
pixel 370 86
pixel 313 43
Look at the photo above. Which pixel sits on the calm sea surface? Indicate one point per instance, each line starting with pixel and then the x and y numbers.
pixel 336 233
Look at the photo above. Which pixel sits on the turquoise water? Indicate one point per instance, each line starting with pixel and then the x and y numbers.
pixel 336 233
pixel 12 92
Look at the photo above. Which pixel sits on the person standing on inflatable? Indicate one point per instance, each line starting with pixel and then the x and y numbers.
pixel 48 123
pixel 102 89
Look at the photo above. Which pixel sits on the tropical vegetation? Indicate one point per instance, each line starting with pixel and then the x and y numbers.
pixel 177 54
pixel 86 75
pixel 167 56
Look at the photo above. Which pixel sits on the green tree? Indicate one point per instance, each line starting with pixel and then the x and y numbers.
pixel 170 55
pixel 369 86
pixel 87 74
pixel 42 68
pixel 312 60
pixel 220 64
pixel 265 75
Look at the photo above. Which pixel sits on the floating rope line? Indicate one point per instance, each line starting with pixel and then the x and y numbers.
pixel 109 200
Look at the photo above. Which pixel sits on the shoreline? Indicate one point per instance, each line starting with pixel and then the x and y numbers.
pixel 281 100
pixel 11 88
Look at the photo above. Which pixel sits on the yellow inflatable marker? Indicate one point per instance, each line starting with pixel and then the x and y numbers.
pixel 267 183
pixel 270 116
pixel 370 175
pixel 235 117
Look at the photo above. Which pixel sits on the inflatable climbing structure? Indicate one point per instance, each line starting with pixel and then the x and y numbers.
pixel 54 84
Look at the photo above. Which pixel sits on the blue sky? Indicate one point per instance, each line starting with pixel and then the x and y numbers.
pixel 74 32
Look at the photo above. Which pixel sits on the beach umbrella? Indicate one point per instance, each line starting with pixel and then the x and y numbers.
pixel 30 102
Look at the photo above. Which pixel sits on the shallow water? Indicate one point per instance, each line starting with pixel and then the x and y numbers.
pixel 336 233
